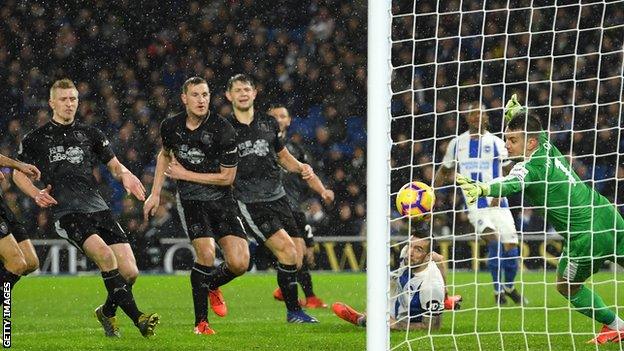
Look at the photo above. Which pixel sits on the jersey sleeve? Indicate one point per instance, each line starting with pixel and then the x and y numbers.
pixel 278 143
pixel 431 298
pixel 449 157
pixel 520 176
pixel 27 151
pixel 102 147
pixel 229 149
pixel 165 134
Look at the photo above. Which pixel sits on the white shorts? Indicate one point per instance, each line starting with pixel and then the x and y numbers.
pixel 498 219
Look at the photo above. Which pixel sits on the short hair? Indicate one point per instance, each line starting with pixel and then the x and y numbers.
pixel 64 83
pixel 241 77
pixel 525 122
pixel 277 105
pixel 192 81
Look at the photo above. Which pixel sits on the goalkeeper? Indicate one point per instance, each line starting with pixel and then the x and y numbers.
pixel 592 228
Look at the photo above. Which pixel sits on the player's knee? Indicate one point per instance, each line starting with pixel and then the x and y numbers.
pixel 289 253
pixel 238 265
pixel 205 258
pixel 16 265
pixel 32 264
pixel 104 257
pixel 130 273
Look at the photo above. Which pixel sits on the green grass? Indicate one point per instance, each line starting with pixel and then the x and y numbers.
pixel 56 313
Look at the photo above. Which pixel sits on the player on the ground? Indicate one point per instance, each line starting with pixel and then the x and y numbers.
pixel 418 291
pixel 66 151
pixel 481 156
pixel 199 152
pixel 16 250
pixel 592 227
pixel 294 186
pixel 260 193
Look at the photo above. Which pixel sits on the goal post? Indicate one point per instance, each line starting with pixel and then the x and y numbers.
pixel 429 61
pixel 378 174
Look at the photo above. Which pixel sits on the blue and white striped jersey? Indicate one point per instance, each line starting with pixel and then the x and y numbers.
pixel 417 294
pixel 481 159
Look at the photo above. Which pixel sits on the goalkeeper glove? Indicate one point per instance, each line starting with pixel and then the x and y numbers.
pixel 513 108
pixel 472 190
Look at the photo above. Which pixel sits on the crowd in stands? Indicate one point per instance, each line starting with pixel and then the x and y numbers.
pixel 130 58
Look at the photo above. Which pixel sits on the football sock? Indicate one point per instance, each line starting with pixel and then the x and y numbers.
pixel 8 276
pixel 590 304
pixel 494 264
pixel 617 324
pixel 287 281
pixel 199 275
pixel 120 293
pixel 112 304
pixel 510 266
pixel 220 276
pixel 305 280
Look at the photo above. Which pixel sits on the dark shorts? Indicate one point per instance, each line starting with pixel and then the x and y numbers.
pixel 77 227
pixel 304 227
pixel 211 219
pixel 9 223
pixel 265 218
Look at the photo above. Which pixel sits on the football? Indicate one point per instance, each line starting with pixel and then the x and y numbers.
pixel 415 200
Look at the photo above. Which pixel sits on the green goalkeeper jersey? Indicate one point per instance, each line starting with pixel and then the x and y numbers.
pixel 551 185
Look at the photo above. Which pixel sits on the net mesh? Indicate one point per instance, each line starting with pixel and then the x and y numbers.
pixel 564 61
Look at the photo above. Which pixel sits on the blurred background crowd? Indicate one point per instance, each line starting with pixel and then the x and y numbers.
pixel 130 58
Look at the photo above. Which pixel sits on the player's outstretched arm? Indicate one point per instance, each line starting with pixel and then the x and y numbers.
pixel 131 183
pixel 28 170
pixel 41 197
pixel 150 206
pixel 291 164
pixel 472 189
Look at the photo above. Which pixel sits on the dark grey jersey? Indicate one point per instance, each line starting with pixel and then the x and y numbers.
pixel 258 178
pixel 66 156
pixel 204 150
pixel 296 188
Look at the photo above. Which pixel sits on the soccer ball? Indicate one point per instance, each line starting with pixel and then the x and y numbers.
pixel 415 200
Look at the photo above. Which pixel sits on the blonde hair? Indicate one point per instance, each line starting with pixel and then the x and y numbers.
pixel 64 83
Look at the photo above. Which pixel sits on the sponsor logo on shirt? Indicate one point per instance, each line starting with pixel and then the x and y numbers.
pixel 206 138
pixel 192 155
pixel 72 154
pixel 260 148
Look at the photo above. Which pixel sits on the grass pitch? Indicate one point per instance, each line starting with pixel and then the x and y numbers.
pixel 56 313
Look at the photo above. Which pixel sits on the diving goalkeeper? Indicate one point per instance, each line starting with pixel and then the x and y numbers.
pixel 592 228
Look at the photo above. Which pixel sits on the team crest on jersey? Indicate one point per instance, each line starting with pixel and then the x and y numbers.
pixel 487 149
pixel 263 126
pixel 206 138
pixel 4 228
pixel 196 229
pixel 80 136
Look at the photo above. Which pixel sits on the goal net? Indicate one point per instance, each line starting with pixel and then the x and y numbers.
pixel 564 61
